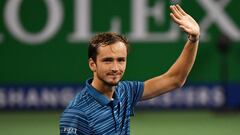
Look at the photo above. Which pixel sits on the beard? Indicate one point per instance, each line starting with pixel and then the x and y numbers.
pixel 111 79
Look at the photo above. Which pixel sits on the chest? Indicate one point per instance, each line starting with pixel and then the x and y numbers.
pixel 111 119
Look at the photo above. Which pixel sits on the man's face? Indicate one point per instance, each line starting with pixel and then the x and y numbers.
pixel 110 64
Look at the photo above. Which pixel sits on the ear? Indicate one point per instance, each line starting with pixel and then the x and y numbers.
pixel 92 64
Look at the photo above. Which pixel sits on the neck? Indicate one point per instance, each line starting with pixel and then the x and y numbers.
pixel 106 90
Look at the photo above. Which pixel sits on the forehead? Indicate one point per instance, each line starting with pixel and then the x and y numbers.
pixel 117 49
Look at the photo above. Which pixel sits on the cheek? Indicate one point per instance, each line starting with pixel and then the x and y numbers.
pixel 123 67
pixel 102 68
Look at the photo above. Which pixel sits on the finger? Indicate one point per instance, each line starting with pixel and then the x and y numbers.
pixel 175 19
pixel 181 10
pixel 175 12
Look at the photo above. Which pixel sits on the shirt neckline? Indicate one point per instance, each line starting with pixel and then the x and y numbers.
pixel 99 97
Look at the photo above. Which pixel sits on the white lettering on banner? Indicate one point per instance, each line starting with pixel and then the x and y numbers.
pixel 54 97
pixel 218 96
pixel 216 14
pixel 141 13
pixel 82 22
pixel 189 97
pixel 20 97
pixel 178 97
pixel 166 100
pixel 66 95
pixel 140 31
pixel 54 21
pixel 16 97
pixel 202 96
pixel 49 97
pixel 32 98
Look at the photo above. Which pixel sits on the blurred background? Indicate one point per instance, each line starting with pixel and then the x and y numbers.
pixel 43 62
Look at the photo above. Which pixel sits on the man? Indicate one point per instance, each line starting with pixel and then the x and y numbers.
pixel 105 104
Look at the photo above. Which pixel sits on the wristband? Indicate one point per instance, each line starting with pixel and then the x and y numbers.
pixel 193 40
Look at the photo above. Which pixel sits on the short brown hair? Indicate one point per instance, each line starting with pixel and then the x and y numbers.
pixel 106 38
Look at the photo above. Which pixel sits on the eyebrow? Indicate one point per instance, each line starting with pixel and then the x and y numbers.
pixel 111 58
pixel 107 58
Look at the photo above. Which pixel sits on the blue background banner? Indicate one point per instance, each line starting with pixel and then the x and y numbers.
pixel 58 97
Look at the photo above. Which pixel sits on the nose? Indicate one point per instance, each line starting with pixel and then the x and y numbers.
pixel 115 67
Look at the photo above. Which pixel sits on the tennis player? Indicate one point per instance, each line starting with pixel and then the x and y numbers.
pixel 105 104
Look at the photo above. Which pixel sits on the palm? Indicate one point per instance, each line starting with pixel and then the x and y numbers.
pixel 185 21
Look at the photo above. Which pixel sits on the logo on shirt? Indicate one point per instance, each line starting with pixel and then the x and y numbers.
pixel 69 130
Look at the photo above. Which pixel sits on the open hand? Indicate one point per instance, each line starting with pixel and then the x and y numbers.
pixel 185 21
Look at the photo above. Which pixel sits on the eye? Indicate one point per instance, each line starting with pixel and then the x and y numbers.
pixel 121 59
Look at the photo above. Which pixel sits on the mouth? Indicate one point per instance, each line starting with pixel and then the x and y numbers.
pixel 114 75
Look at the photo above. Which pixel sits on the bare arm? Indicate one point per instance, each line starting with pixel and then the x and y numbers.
pixel 176 75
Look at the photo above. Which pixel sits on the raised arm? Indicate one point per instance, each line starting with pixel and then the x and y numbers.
pixel 176 76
